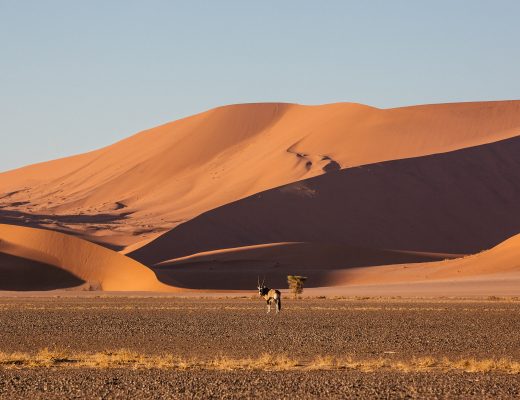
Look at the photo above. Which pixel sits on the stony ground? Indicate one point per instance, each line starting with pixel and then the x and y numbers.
pixel 161 384
pixel 205 329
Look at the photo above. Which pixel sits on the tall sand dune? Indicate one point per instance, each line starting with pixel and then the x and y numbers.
pixel 458 202
pixel 127 194
pixel 36 259
pixel 339 192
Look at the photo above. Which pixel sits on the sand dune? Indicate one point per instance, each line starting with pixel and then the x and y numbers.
pixel 501 261
pixel 36 259
pixel 128 193
pixel 495 272
pixel 333 191
pixel 346 270
pixel 238 268
pixel 459 202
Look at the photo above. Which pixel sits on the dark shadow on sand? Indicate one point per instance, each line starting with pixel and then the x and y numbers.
pixel 21 274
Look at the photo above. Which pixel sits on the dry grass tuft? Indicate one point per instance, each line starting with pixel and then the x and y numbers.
pixel 123 358
pixel 323 363
pixel 488 365
pixel 264 362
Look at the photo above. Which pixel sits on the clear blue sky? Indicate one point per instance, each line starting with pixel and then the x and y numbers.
pixel 78 75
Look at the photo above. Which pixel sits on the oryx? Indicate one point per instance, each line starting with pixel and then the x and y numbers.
pixel 270 295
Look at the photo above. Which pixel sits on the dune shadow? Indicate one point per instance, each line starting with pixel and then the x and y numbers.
pixel 239 268
pixel 224 277
pixel 59 223
pixel 21 274
pixel 15 217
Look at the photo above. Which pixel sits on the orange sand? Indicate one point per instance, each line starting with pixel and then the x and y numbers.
pixel 101 268
pixel 275 188
pixel 130 192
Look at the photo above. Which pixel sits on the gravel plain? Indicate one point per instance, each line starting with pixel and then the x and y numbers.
pixel 163 384
pixel 239 328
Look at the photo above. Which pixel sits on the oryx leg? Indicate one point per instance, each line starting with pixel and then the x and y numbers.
pixel 278 302
pixel 269 306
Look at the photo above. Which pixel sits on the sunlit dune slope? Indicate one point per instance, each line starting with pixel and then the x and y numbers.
pixel 36 259
pixel 459 202
pixel 501 261
pixel 130 192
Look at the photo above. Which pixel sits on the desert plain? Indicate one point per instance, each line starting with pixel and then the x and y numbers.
pixel 170 347
pixel 131 271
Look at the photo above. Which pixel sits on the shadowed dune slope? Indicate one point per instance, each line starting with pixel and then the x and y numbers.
pixel 238 268
pixel 342 266
pixel 18 273
pixel 458 202
pixel 66 261
pixel 159 178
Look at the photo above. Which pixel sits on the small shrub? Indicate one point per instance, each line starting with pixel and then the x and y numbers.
pixel 296 284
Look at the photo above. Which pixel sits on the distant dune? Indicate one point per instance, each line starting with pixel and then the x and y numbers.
pixel 265 189
pixel 128 193
pixel 36 259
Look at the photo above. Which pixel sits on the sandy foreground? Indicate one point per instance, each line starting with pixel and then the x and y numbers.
pixel 172 347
